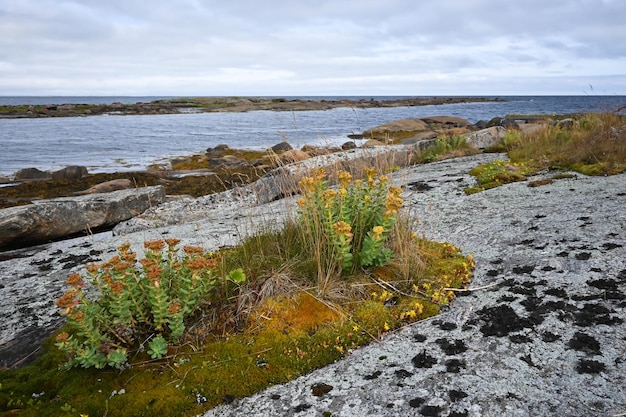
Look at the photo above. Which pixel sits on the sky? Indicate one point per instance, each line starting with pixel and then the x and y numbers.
pixel 313 48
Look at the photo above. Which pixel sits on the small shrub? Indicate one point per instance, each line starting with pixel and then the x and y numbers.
pixel 136 303
pixel 446 146
pixel 346 229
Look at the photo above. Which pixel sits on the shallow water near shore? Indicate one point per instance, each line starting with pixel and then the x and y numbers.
pixel 125 143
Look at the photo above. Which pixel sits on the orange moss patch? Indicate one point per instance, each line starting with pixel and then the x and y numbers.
pixel 299 313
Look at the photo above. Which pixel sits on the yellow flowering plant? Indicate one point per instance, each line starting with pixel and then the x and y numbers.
pixel 138 302
pixel 348 227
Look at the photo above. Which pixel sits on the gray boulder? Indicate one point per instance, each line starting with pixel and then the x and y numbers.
pixel 72 172
pixel 486 137
pixel 348 145
pixel 61 217
pixel 281 147
pixel 420 137
pixel 31 174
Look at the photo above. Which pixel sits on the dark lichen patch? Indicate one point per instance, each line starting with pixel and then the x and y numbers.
pixel 320 389
pixel 373 375
pixel 592 314
pixel 72 261
pixel 462 413
pixel 611 246
pixel 403 373
pixel 451 348
pixel 275 397
pixel 550 337
pixel 520 338
pixel 584 343
pixel 526 269
pixel 301 407
pixel 419 186
pixel 419 338
pixel 583 256
pixel 456 395
pixel 614 295
pixel 603 284
pixel 563 254
pixel 586 366
pixel 424 360
pixel 507 298
pixel 492 273
pixel 523 290
pixel 501 320
pixel 548 268
pixel 557 292
pixel 446 325
pixel 560 305
pixel 454 366
pixel 417 402
pixel 431 410
pixel 528 360
pixel 585 297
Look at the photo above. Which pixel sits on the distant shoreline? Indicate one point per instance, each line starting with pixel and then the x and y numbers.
pixel 220 104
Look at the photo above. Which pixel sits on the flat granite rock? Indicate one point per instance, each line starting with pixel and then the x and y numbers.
pixel 541 332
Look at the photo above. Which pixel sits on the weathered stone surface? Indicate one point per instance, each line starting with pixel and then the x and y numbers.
pixel 72 172
pixel 229 162
pixel 109 186
pixel 282 147
pixel 551 264
pixel 219 148
pixel 447 121
pixel 420 137
pixel 537 334
pixel 372 143
pixel 57 218
pixel 31 174
pixel 403 125
pixel 486 137
pixel 293 155
pixel 280 182
pixel 346 146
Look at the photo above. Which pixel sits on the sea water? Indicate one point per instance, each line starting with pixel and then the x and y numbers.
pixel 118 143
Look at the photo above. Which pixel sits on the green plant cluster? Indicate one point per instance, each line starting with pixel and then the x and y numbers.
pixel 444 145
pixel 497 173
pixel 138 304
pixel 347 228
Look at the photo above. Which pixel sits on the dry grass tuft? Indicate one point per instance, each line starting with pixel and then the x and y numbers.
pixel 594 144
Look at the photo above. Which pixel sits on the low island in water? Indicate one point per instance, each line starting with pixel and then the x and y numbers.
pixel 221 104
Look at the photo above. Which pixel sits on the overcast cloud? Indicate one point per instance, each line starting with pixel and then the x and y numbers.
pixel 326 47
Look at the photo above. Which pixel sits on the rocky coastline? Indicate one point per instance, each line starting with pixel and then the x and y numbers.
pixel 540 331
pixel 219 104
pixel 35 205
